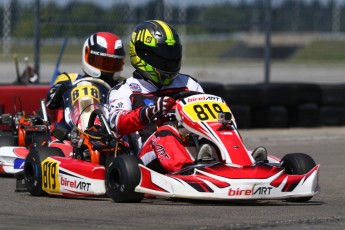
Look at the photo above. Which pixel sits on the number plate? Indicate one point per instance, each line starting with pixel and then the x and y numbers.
pixel 85 91
pixel 205 110
pixel 50 173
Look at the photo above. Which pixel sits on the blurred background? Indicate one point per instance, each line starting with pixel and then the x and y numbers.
pixel 227 41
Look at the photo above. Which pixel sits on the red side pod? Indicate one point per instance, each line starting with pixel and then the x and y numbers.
pixel 82 168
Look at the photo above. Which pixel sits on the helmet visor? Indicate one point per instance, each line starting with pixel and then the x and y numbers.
pixel 104 61
pixel 163 57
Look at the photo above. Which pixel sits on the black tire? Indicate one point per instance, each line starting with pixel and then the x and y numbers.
pixel 298 164
pixel 32 168
pixel 6 139
pixel 123 175
pixel 270 117
pixel 213 88
pixel 333 95
pixel 242 114
pixel 332 115
pixel 254 95
pixel 304 115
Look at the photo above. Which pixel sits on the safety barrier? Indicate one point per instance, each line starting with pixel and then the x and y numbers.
pixel 283 105
pixel 273 105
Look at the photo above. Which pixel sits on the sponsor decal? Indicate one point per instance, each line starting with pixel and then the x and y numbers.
pixel 104 54
pixel 263 191
pixel 159 149
pixel 19 163
pixel 249 192
pixel 204 98
pixel 148 39
pixel 240 192
pixel 148 102
pixel 119 105
pixel 135 87
pixel 226 133
pixel 81 185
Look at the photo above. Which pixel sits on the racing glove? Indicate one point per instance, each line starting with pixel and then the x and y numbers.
pixel 55 95
pixel 162 107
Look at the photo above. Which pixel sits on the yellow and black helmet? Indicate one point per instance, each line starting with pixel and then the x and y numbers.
pixel 156 51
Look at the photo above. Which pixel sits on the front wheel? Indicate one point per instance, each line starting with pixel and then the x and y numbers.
pixel 33 168
pixel 298 164
pixel 123 175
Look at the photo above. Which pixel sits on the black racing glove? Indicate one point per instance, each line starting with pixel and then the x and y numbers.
pixel 55 98
pixel 162 107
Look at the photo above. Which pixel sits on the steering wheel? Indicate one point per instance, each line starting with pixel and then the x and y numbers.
pixel 104 124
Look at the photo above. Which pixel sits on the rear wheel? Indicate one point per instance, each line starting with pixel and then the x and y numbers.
pixel 32 168
pixel 298 164
pixel 123 175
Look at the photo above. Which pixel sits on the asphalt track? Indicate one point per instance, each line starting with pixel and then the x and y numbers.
pixel 326 145
pixel 325 211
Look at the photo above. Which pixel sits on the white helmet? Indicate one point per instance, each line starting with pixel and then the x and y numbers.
pixel 103 55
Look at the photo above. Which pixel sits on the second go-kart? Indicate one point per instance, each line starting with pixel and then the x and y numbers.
pixel 228 172
pixel 74 163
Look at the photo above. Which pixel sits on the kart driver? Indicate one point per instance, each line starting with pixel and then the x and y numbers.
pixel 103 57
pixel 155 53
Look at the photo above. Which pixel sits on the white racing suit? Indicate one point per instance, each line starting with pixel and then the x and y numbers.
pixel 163 144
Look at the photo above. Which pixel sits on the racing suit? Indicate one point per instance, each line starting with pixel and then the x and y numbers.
pixel 160 147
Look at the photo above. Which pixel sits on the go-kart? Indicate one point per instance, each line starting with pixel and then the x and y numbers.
pixel 20 134
pixel 229 172
pixel 23 133
pixel 74 162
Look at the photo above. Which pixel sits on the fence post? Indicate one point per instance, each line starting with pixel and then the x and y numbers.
pixel 37 37
pixel 6 29
pixel 267 54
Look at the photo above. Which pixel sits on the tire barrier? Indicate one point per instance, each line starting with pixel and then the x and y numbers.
pixel 273 105
pixel 283 105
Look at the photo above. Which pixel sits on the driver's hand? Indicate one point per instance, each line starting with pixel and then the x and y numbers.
pixel 62 89
pixel 55 98
pixel 162 107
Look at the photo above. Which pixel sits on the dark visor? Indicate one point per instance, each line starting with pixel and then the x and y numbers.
pixel 105 63
pixel 162 57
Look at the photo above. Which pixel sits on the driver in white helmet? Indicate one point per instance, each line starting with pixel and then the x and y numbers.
pixel 155 53
pixel 103 58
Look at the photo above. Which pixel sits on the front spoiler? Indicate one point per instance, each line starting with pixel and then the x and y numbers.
pixel 204 185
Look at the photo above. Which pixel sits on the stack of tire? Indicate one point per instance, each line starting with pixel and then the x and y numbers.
pixel 282 105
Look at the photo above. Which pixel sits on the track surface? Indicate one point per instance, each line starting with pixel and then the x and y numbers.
pixel 324 211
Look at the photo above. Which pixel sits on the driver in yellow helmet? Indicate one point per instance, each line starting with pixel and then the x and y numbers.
pixel 155 53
